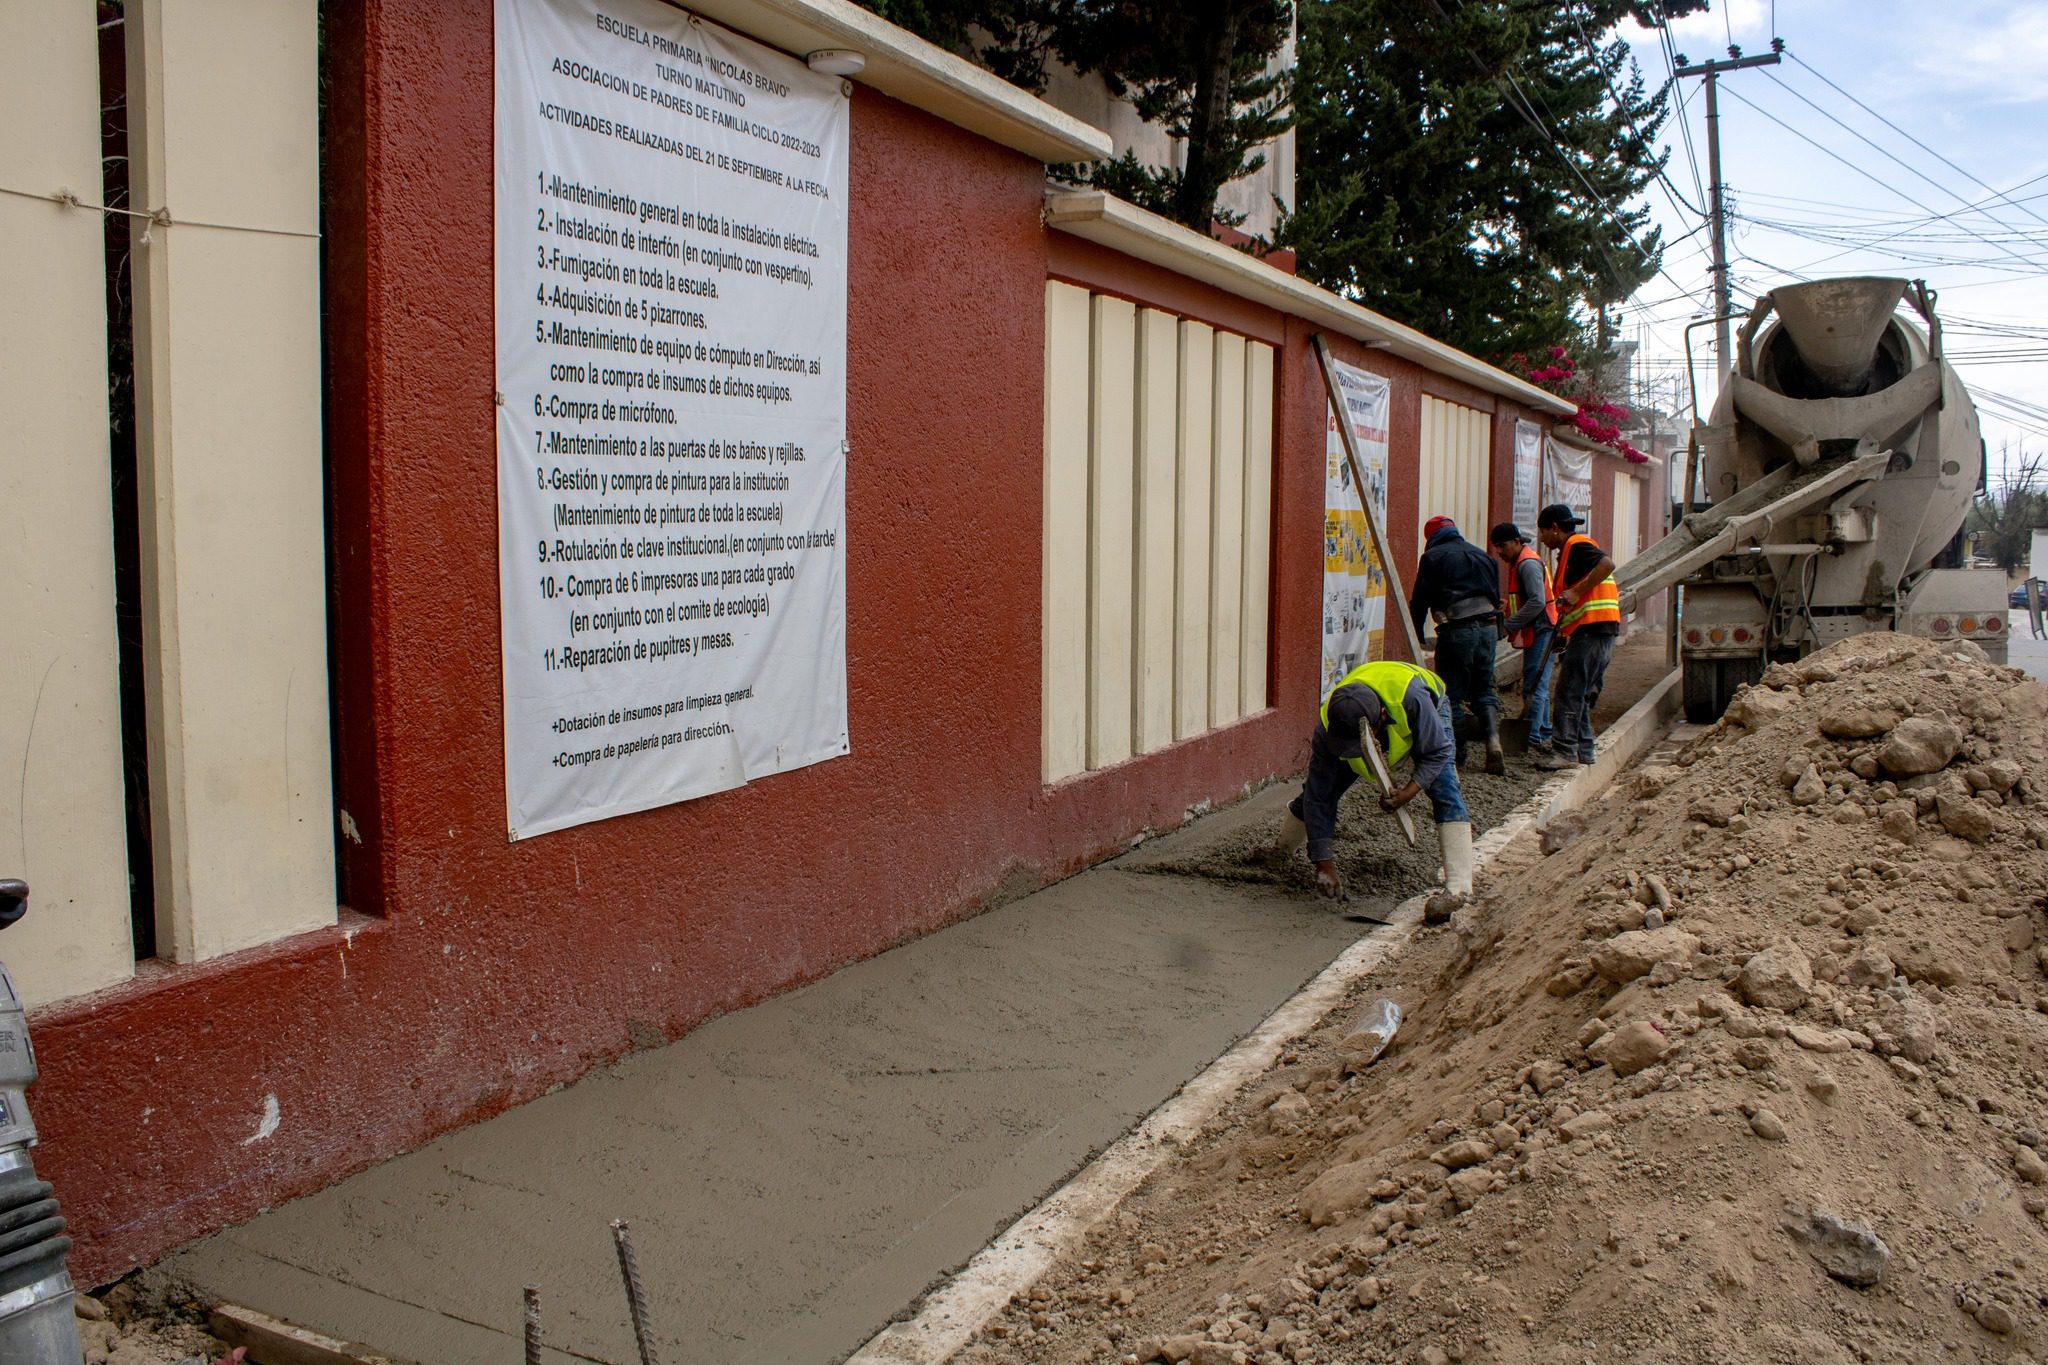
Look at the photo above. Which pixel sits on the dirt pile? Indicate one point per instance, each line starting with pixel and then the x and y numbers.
pixel 1744 1064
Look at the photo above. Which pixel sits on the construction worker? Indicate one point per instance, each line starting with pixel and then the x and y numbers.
pixel 1409 711
pixel 1588 623
pixel 1531 626
pixel 1458 585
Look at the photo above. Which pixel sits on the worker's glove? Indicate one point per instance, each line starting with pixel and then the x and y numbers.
pixel 1328 883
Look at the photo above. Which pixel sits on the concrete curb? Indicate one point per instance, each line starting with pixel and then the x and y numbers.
pixel 1026 1249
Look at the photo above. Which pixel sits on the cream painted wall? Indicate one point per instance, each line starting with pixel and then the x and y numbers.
pixel 1158 529
pixel 223 130
pixel 1158 397
pixel 1226 535
pixel 1112 427
pixel 1197 477
pixel 62 822
pixel 1255 612
pixel 1064 540
pixel 1628 502
pixel 1457 466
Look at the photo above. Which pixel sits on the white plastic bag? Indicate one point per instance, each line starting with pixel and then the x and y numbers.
pixel 1370 1036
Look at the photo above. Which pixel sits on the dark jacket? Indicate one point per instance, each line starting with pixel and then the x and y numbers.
pixel 1453 570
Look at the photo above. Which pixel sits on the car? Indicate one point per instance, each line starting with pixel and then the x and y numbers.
pixel 2018 596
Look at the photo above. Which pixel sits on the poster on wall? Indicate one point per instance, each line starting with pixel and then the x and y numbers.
pixel 1568 478
pixel 1528 476
pixel 671 359
pixel 1354 582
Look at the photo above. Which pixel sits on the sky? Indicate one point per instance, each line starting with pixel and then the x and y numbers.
pixel 1819 186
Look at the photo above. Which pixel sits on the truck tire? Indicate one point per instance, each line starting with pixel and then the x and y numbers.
pixel 1710 684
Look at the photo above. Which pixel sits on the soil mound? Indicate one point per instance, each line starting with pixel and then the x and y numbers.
pixel 1745 1063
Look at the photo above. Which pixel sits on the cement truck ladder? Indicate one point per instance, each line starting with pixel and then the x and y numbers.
pixel 1752 515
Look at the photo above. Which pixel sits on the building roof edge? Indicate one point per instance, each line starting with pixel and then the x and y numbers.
pixel 1123 227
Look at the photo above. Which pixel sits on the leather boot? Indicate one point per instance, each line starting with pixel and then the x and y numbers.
pixel 1293 835
pixel 1496 760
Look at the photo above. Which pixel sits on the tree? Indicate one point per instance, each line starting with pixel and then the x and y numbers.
pixel 1467 166
pixel 2002 522
pixel 1198 68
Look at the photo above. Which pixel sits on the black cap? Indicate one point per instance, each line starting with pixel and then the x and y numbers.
pixel 1505 530
pixel 1349 708
pixel 1558 514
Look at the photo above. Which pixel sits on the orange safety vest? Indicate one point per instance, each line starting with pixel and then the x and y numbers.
pixel 1602 601
pixel 1526 636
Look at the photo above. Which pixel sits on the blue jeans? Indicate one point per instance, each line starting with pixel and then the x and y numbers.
pixel 1464 660
pixel 1536 683
pixel 1578 692
pixel 1329 777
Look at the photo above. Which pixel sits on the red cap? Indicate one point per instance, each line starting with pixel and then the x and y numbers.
pixel 1435 524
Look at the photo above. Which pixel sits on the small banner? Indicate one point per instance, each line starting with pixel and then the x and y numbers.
pixel 1354 582
pixel 1528 476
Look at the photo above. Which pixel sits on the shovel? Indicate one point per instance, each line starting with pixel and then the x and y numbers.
pixel 1369 743
pixel 1514 733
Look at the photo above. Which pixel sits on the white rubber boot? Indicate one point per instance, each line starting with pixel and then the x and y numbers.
pixel 1293 835
pixel 1456 842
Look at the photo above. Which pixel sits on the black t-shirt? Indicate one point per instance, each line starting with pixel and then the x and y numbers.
pixel 1578 562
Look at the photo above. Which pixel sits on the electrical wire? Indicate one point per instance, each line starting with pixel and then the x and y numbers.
pixel 1903 133
pixel 1889 188
pixel 1593 55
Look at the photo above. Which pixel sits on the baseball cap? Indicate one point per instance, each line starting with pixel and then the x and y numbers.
pixel 1435 524
pixel 1349 708
pixel 1558 514
pixel 1505 530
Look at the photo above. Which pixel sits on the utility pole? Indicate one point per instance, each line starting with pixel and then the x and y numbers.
pixel 1717 205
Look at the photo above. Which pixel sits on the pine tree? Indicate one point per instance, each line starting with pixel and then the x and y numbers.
pixel 1199 69
pixel 1464 168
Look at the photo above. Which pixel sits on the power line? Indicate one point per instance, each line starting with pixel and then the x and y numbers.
pixel 1881 150
pixel 1890 188
pixel 1908 136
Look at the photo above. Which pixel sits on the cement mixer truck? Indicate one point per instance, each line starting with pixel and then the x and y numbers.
pixel 1826 494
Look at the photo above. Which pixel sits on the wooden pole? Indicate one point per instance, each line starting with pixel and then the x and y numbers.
pixel 1397 601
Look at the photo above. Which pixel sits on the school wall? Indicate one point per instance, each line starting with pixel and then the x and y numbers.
pixel 466 974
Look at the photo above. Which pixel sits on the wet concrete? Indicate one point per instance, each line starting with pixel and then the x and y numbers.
pixel 797 1172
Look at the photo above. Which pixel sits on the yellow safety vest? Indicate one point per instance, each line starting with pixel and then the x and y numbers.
pixel 1389 681
pixel 1602 601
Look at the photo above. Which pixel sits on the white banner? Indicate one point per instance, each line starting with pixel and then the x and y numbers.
pixel 1568 476
pixel 671 338
pixel 1528 477
pixel 1354 582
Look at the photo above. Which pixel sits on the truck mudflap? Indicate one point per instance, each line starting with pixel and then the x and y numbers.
pixel 1958 604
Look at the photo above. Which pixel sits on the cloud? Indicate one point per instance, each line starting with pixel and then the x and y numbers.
pixel 1999 53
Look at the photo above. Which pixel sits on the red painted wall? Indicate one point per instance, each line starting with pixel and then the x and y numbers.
pixel 470 974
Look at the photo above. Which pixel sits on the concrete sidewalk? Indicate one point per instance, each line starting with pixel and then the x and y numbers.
pixel 797 1172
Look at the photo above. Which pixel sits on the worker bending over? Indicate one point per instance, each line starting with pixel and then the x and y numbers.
pixel 1458 585
pixel 1410 715
pixel 1588 622
pixel 1531 626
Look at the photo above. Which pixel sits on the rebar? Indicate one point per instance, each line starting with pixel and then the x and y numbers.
pixel 533 1324
pixel 636 1297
